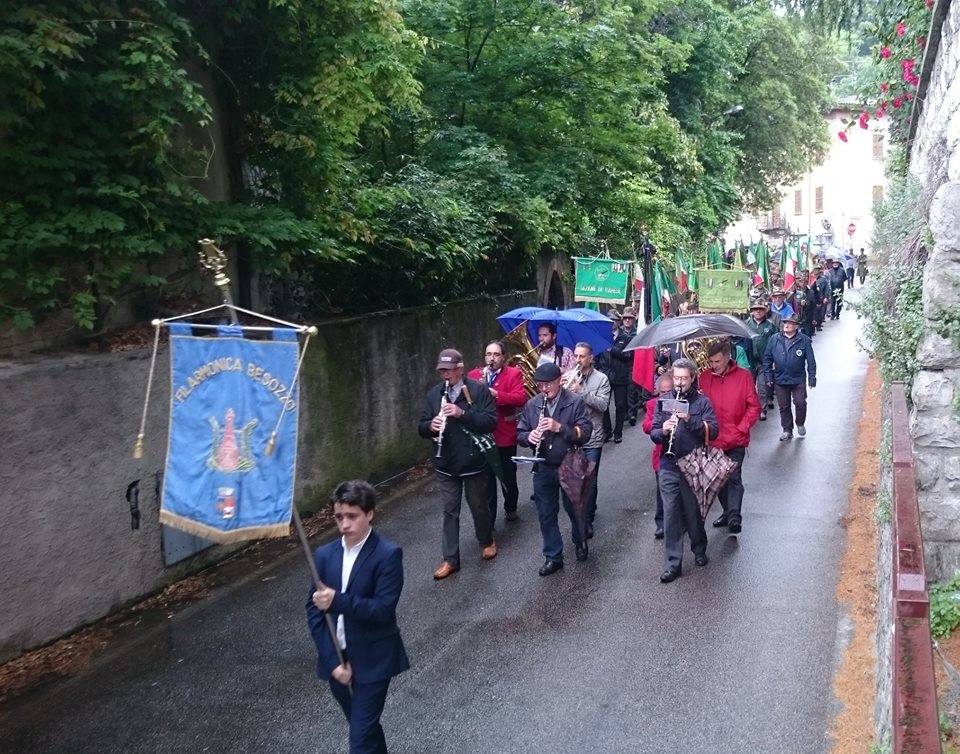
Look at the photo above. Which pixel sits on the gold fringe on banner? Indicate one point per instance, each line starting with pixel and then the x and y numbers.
pixel 219 535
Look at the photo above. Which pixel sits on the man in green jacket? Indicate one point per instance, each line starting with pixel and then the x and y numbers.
pixel 763 329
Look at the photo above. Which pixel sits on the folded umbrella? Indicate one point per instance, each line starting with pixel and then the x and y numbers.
pixel 576 477
pixel 689 327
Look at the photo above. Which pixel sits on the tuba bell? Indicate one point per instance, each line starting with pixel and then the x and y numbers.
pixel 696 351
pixel 522 354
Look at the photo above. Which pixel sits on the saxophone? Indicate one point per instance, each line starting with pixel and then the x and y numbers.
pixel 444 400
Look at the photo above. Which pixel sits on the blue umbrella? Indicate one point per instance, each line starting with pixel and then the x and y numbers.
pixel 573 325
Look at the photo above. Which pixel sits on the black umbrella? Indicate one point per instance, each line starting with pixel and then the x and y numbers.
pixel 689 327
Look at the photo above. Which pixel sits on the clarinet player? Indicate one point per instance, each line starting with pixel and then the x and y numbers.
pixel 680 434
pixel 454 412
pixel 552 422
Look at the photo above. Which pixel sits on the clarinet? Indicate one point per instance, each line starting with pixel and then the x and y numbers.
pixel 673 434
pixel 444 400
pixel 543 413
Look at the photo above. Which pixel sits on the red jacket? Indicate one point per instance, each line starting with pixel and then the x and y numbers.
pixel 734 398
pixel 647 426
pixel 511 397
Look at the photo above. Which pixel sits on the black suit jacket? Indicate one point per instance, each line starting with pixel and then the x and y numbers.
pixel 368 607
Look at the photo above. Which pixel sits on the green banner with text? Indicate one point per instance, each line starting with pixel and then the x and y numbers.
pixel 604 281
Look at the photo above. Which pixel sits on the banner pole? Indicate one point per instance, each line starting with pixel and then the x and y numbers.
pixel 311 564
pixel 214 259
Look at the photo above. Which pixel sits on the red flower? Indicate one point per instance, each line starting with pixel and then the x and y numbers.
pixel 901 29
pixel 907 64
pixel 885 52
pixel 897 103
pixel 908 96
pixel 883 104
pixel 922 41
pixel 884 86
pixel 842 135
pixel 864 117
pixel 929 4
pixel 879 113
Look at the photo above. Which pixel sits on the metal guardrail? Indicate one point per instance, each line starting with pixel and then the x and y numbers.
pixel 915 719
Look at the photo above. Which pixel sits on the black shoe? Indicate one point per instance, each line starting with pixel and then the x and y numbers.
pixel 658 534
pixel 550 566
pixel 589 531
pixel 721 521
pixel 701 560
pixel 633 421
pixel 670 574
pixel 582 552
pixel 763 414
pixel 618 439
pixel 735 525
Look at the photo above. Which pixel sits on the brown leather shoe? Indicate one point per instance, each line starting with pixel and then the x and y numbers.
pixel 444 570
pixel 489 552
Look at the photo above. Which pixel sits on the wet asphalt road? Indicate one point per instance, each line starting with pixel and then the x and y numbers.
pixel 735 657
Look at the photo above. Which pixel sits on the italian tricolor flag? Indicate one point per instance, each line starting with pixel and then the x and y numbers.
pixel 759 255
pixel 791 264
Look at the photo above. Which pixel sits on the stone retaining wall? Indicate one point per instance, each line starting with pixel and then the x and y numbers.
pixel 935 417
pixel 68 555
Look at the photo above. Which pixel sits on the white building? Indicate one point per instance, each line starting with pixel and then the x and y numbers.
pixel 834 198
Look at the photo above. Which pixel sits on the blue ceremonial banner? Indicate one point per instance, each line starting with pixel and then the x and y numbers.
pixel 226 396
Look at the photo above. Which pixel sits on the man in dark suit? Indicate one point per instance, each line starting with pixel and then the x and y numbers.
pixel 363 577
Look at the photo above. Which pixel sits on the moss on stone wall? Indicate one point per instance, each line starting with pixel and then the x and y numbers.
pixel 363 384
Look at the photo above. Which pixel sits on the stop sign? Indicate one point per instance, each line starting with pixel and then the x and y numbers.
pixel 851 229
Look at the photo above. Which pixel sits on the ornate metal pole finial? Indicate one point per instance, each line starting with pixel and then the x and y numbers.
pixel 213 258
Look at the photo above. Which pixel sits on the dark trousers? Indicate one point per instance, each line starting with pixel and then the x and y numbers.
pixel 836 303
pixel 607 423
pixel 761 384
pixel 620 403
pixel 452 491
pixel 850 273
pixel 634 401
pixel 363 711
pixel 658 516
pixel 798 393
pixel 546 496
pixel 681 514
pixel 593 454
pixel 509 484
pixel 821 313
pixel 731 494
pixel 809 329
pixel 863 277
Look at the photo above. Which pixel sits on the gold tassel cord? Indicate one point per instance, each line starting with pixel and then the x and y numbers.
pixel 138 445
pixel 272 441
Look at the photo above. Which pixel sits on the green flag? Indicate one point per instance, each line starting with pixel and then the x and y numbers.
pixel 714 255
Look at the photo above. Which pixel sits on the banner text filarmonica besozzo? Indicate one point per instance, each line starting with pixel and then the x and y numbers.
pixel 232 364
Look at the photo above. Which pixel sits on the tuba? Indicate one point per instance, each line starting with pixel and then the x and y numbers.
pixel 696 351
pixel 522 354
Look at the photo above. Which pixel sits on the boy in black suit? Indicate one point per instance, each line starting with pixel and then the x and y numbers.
pixel 363 577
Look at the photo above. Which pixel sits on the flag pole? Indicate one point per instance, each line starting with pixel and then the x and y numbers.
pixel 215 259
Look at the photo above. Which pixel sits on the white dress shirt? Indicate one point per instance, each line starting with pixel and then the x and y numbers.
pixel 349 558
